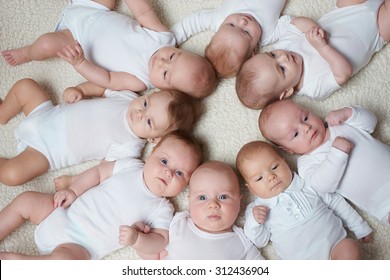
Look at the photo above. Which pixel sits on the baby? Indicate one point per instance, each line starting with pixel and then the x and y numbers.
pixel 52 137
pixel 300 222
pixel 203 232
pixel 126 196
pixel 339 155
pixel 240 26
pixel 124 53
pixel 306 62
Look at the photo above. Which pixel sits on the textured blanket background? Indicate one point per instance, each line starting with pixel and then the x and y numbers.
pixel 224 127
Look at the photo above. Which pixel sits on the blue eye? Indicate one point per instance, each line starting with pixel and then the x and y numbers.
pixel 149 122
pixel 164 161
pixel 223 196
pixel 305 118
pixel 145 104
pixel 202 197
pixel 179 173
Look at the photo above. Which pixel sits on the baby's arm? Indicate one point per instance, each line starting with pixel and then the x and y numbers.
pixel 348 215
pixel 255 231
pixel 192 24
pixel 146 241
pixel 341 67
pixel 81 91
pixel 83 182
pixel 98 75
pixel 260 213
pixel 145 15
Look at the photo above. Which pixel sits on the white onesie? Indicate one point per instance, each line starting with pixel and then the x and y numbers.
pixel 265 12
pixel 188 242
pixel 303 224
pixel 362 176
pixel 355 38
pixel 93 219
pixel 112 40
pixel 90 129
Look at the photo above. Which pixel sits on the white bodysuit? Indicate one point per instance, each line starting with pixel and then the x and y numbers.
pixel 353 31
pixel 113 41
pixel 90 129
pixel 303 224
pixel 93 219
pixel 188 242
pixel 265 12
pixel 363 176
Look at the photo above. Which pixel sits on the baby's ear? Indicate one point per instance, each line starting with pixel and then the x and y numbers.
pixel 287 93
pixel 154 141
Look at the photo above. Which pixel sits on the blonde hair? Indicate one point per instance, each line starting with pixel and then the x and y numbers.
pixel 187 139
pixel 224 58
pixel 249 152
pixel 251 89
pixel 204 78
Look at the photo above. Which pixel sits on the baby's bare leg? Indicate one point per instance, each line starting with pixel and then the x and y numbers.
pixel 345 3
pixel 347 249
pixel 384 20
pixel 32 206
pixel 24 96
pixel 46 46
pixel 108 3
pixel 63 182
pixel 26 166
pixel 62 252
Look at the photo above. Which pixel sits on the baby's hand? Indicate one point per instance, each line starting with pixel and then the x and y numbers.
pixel 260 213
pixel 343 144
pixel 338 116
pixel 73 54
pixel 317 37
pixel 128 235
pixel 367 238
pixel 72 95
pixel 64 198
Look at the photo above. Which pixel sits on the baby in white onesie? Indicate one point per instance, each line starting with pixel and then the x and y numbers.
pixel 301 222
pixel 340 156
pixel 121 53
pixel 203 232
pixel 314 59
pixel 118 125
pixel 125 198
pixel 240 26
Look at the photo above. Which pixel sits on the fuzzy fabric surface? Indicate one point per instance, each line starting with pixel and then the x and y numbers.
pixel 225 126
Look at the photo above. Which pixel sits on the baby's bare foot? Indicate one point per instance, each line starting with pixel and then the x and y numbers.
pixel 63 182
pixel 16 56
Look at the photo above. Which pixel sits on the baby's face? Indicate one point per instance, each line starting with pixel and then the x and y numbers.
pixel 169 167
pixel 268 174
pixel 294 127
pixel 241 29
pixel 280 71
pixel 173 68
pixel 148 115
pixel 214 200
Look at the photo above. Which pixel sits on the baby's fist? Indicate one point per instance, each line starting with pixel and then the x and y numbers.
pixel 343 144
pixel 260 213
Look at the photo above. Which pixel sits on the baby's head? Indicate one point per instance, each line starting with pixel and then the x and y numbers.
pixel 170 165
pixel 173 68
pixel 214 199
pixel 151 116
pixel 267 77
pixel 234 42
pixel 292 127
pixel 265 172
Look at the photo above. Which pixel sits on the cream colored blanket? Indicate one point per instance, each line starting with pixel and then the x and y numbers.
pixel 225 126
